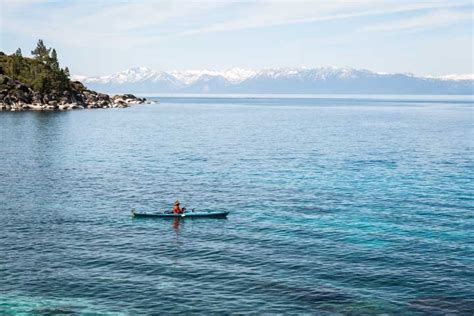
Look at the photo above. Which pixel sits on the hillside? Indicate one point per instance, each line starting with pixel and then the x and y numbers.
pixel 321 80
pixel 39 83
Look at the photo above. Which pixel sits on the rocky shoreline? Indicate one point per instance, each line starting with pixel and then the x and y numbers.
pixel 16 96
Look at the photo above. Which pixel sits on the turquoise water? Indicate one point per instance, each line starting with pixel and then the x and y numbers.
pixel 348 205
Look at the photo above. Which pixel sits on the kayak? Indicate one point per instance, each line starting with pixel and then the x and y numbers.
pixel 197 214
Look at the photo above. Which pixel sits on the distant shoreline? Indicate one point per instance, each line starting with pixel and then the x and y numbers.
pixel 460 97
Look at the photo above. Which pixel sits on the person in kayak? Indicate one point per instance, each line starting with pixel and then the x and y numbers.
pixel 176 209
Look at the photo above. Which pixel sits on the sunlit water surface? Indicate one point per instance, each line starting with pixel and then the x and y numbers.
pixel 347 205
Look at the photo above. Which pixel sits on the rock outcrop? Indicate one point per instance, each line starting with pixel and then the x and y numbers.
pixel 16 96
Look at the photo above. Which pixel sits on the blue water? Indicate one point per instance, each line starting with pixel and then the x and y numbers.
pixel 348 205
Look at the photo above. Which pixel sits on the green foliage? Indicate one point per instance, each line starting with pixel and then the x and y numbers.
pixel 16 64
pixel 41 53
pixel 54 60
pixel 42 72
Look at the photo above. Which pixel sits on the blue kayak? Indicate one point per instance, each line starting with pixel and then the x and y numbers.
pixel 197 214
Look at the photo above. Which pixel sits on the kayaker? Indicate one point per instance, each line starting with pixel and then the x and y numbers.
pixel 176 209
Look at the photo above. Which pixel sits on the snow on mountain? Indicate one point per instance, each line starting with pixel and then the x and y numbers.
pixel 129 75
pixel 277 80
pixel 233 75
pixel 455 77
pixel 320 73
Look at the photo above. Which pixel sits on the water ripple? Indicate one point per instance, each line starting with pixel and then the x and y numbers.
pixel 334 209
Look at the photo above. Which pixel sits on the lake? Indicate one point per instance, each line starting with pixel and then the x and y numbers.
pixel 337 205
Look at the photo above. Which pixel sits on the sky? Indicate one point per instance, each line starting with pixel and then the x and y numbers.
pixel 99 37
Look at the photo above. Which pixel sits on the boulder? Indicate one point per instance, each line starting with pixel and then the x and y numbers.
pixel 75 106
pixel 103 96
pixel 77 86
pixel 34 107
pixel 23 96
pixel 64 107
pixel 49 107
pixel 7 100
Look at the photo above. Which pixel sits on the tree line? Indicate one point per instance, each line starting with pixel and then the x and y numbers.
pixel 41 72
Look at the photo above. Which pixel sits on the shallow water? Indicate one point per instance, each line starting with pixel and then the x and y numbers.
pixel 346 205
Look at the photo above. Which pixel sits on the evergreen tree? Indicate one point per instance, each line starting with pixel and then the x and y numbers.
pixel 41 73
pixel 41 53
pixel 67 73
pixel 16 63
pixel 54 60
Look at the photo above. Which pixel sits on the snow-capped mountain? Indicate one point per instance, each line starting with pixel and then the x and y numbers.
pixel 233 75
pixel 277 80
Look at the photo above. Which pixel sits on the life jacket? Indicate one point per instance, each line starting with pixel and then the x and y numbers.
pixel 176 209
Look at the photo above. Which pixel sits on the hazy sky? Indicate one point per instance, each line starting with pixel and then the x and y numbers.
pixel 101 37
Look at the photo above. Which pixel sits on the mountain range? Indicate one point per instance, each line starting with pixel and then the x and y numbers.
pixel 321 80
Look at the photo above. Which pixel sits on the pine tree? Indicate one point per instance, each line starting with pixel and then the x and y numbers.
pixel 16 64
pixel 67 73
pixel 54 60
pixel 42 73
pixel 41 53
